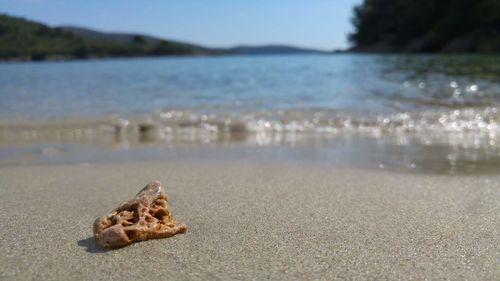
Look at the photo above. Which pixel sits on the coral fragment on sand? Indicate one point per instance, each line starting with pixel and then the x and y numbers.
pixel 144 217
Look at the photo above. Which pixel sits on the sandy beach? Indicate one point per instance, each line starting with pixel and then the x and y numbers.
pixel 253 221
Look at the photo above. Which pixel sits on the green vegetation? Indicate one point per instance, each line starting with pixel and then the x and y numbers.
pixel 427 26
pixel 23 39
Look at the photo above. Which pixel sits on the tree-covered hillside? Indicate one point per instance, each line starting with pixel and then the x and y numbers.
pixel 28 40
pixel 24 39
pixel 427 26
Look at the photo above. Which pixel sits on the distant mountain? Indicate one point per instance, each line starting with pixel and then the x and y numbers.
pixel 24 39
pixel 130 38
pixel 28 40
pixel 271 49
pixel 122 38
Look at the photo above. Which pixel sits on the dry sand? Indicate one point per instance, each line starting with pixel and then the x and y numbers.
pixel 253 221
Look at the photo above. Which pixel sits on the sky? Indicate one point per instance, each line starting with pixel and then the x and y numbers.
pixel 322 24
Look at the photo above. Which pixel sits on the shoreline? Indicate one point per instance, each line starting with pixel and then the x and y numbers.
pixel 61 58
pixel 338 152
pixel 253 220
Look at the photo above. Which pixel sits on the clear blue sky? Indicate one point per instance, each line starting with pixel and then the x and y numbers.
pixel 218 23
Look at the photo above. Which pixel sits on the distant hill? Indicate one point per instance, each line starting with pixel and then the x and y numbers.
pixel 271 49
pixel 24 39
pixel 159 46
pixel 126 38
pixel 28 40
pixel 120 38
pixel 20 38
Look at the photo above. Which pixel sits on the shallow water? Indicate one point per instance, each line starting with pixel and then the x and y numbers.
pixel 391 104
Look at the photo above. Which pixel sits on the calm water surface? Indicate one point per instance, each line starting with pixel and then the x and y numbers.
pixel 246 84
pixel 396 108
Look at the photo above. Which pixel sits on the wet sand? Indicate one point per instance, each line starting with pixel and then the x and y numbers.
pixel 253 221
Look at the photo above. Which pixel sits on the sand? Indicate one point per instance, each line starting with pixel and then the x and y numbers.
pixel 253 221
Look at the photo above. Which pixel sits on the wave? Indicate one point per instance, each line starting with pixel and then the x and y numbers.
pixel 465 126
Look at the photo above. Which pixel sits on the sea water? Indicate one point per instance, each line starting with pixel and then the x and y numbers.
pixel 402 109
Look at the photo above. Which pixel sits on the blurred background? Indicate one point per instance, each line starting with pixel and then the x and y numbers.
pixel 402 85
